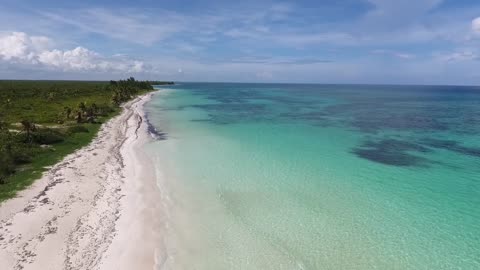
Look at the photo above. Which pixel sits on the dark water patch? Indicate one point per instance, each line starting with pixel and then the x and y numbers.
pixel 176 108
pixel 201 120
pixel 225 113
pixel 157 135
pixel 163 108
pixel 217 120
pixel 382 121
pixel 293 101
pixel 154 132
pixel 229 99
pixel 365 108
pixel 390 158
pixel 392 152
pixel 371 117
pixel 307 116
pixel 314 118
pixel 249 94
pixel 236 95
pixel 396 145
pixel 451 145
pixel 231 107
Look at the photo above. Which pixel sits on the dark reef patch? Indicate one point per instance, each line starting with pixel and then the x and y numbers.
pixel 392 152
pixel 396 145
pixel 451 145
pixel 371 117
pixel 232 107
pixel 382 121
pixel 308 116
pixel 402 153
pixel 229 113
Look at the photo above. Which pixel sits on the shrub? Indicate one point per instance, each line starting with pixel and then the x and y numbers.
pixel 47 136
pixel 22 158
pixel 6 167
pixel 77 129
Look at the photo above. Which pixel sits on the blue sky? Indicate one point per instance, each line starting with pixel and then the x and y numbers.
pixel 331 41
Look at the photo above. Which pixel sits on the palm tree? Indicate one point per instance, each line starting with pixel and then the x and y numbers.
pixel 116 100
pixel 82 107
pixel 94 108
pixel 79 117
pixel 3 126
pixel 68 112
pixel 90 114
pixel 28 127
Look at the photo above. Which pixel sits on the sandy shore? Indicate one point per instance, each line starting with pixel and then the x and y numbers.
pixel 97 209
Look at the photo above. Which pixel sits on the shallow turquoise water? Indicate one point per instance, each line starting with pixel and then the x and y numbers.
pixel 258 176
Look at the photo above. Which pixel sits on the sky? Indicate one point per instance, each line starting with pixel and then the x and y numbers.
pixel 322 41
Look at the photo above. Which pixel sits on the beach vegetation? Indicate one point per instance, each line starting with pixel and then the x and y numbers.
pixel 43 121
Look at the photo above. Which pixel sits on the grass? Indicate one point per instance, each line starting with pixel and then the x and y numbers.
pixel 28 173
pixel 44 101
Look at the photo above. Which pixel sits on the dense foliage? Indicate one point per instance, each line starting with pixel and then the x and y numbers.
pixel 42 121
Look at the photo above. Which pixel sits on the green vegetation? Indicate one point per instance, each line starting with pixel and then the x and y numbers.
pixel 43 121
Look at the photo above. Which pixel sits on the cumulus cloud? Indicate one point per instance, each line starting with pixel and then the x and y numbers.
pixel 20 48
pixel 476 25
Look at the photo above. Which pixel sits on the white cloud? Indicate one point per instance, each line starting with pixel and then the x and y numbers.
pixel 187 47
pixel 394 13
pixel 300 40
pixel 397 54
pixel 137 67
pixel 476 25
pixel 264 75
pixel 76 59
pixel 20 48
pixel 278 12
pixel 405 55
pixel 185 40
pixel 123 24
pixel 458 56
pixel 387 22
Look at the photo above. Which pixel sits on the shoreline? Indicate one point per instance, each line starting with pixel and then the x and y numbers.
pixel 98 208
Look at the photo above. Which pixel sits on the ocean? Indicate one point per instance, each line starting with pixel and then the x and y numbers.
pixel 299 176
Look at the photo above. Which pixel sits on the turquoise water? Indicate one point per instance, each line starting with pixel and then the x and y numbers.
pixel 277 176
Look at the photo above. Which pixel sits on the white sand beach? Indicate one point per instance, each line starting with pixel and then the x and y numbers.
pixel 99 208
